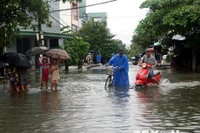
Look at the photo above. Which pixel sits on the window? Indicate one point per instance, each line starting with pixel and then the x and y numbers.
pixel 74 28
pixel 74 11
pixel 54 43
pixel 23 45
pixel 97 19
pixel 85 17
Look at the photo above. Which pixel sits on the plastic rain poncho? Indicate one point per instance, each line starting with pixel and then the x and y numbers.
pixel 98 58
pixel 121 77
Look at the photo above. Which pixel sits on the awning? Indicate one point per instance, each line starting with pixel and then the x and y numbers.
pixel 52 35
pixel 178 37
pixel 156 44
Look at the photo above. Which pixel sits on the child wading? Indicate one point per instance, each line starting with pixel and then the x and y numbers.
pixel 14 80
pixel 45 72
pixel 23 78
pixel 55 74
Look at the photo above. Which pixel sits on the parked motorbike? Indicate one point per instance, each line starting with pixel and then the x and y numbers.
pixel 142 77
pixel 135 62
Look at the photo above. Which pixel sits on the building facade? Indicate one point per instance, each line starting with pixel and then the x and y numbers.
pixel 72 15
pixel 98 16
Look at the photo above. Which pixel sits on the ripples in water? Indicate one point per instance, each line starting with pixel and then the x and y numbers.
pixel 82 105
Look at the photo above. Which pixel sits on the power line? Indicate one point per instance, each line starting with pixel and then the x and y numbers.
pixel 114 17
pixel 59 18
pixel 83 6
pixel 56 20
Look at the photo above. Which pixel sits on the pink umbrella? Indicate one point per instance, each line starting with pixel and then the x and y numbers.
pixel 58 53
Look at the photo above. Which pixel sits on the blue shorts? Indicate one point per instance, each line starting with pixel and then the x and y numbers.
pixel 40 71
pixel 151 73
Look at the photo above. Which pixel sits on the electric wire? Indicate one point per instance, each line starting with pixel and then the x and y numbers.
pixel 65 24
pixel 83 6
pixel 116 16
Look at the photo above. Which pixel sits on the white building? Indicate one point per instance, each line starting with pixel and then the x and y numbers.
pixel 54 17
pixel 72 16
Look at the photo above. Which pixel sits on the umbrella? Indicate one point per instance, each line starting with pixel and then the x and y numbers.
pixel 16 59
pixel 36 51
pixel 2 58
pixel 58 53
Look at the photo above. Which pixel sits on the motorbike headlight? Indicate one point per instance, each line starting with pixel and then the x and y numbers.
pixel 144 65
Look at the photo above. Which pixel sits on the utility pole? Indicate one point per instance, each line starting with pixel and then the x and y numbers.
pixel 40 36
pixel 4 51
pixel 5 42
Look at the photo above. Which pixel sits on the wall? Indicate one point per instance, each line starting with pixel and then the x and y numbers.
pixel 82 11
pixel 65 16
pixel 72 18
pixel 54 17
pixel 12 47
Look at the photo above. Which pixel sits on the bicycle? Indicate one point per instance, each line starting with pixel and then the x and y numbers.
pixel 109 81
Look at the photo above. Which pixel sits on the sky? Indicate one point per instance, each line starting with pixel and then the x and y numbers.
pixel 123 16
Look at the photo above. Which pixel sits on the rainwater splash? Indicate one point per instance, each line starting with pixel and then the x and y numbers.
pixel 166 84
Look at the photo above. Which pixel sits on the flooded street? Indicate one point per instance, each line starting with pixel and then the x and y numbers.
pixel 82 105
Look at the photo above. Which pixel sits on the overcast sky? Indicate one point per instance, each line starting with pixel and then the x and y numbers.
pixel 123 16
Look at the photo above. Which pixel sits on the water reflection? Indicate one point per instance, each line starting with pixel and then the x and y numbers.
pixel 147 100
pixel 50 102
pixel 179 110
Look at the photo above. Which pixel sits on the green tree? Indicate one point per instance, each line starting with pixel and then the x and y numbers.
pixel 167 18
pixel 135 50
pixel 21 13
pixel 77 49
pixel 111 48
pixel 96 34
pixel 100 39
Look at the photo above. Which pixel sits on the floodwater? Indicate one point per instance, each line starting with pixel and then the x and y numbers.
pixel 82 105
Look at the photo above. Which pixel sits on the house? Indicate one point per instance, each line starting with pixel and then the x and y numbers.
pixel 51 36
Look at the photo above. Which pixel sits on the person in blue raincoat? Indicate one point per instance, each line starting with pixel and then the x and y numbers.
pixel 98 58
pixel 121 68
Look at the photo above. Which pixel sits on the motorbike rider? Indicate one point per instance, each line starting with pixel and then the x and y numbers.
pixel 150 59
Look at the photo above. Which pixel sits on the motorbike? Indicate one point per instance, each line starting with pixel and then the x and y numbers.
pixel 142 77
pixel 135 60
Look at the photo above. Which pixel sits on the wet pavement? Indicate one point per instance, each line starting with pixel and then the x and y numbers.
pixel 82 105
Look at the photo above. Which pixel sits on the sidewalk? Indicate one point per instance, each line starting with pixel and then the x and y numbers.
pixel 72 68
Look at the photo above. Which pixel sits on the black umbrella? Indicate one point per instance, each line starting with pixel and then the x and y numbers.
pixel 2 58
pixel 36 51
pixel 16 59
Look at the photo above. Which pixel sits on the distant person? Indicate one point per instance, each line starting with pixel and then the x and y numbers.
pixel 150 59
pixel 55 74
pixel 40 60
pixel 121 69
pixel 98 58
pixel 45 73
pixel 23 78
pixel 89 59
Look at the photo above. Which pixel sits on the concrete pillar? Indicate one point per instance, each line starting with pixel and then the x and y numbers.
pixel 48 46
pixel 48 43
pixel 32 44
